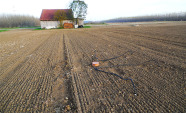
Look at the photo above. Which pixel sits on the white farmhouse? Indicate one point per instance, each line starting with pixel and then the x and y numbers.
pixel 48 21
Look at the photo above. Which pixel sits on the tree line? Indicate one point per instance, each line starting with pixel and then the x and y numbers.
pixel 12 20
pixel 162 17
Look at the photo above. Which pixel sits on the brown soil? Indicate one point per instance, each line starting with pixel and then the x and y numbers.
pixel 50 70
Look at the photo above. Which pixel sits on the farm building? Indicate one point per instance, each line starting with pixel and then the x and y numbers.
pixel 48 20
pixel 78 21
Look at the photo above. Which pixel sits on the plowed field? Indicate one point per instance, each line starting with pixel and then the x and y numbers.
pixel 50 70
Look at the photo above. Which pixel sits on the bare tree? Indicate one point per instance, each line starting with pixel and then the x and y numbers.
pixel 60 16
pixel 70 15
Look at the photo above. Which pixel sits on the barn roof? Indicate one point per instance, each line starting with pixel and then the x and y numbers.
pixel 48 14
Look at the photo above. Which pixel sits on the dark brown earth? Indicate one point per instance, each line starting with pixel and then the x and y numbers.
pixel 50 70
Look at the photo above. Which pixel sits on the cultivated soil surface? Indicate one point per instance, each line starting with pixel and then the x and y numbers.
pixel 50 70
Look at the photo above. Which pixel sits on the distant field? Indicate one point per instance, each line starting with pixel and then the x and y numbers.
pixel 50 70
pixel 155 23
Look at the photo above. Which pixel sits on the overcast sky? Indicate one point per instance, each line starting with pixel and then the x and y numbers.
pixel 97 9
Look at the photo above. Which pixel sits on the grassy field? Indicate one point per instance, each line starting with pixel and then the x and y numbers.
pixel 3 30
pixel 86 26
pixel 6 29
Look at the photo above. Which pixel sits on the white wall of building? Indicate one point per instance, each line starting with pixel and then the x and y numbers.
pixel 52 24
pixel 81 21
pixel 49 24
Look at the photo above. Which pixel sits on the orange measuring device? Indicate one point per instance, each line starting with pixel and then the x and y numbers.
pixel 95 64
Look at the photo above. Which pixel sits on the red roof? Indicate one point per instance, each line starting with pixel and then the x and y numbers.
pixel 48 14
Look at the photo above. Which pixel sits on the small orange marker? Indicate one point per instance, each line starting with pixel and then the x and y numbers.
pixel 95 64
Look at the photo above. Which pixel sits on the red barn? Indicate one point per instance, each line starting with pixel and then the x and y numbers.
pixel 48 21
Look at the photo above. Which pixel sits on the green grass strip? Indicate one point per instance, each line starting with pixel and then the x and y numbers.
pixel 86 26
pixel 3 30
